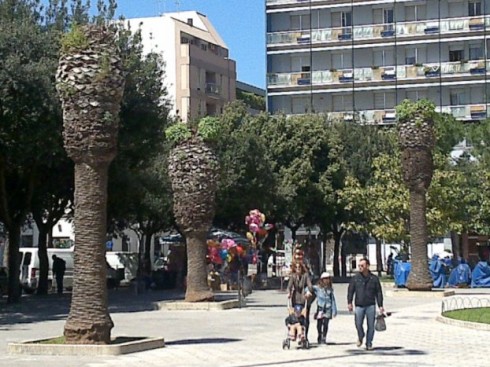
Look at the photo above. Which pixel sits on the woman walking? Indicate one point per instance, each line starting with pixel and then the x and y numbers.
pixel 300 289
pixel 326 306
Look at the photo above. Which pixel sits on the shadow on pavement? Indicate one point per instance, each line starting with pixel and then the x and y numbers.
pixel 34 308
pixel 202 341
pixel 395 350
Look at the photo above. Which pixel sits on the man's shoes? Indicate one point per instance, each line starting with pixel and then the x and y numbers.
pixel 319 340
pixel 359 343
pixel 369 347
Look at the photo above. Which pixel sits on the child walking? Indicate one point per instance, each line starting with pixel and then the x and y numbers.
pixel 326 306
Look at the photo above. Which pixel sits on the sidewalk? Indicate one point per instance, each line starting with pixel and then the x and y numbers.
pixel 251 336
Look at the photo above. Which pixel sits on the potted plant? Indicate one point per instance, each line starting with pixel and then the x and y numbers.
pixel 376 72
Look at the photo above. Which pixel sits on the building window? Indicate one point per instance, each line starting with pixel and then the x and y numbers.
pixel 346 19
pixel 384 57
pixel 342 102
pixel 305 72
pixel 476 52
pixel 341 61
pixel 456 55
pixel 410 60
pixel 474 8
pixel 410 56
pixel 300 22
pixel 388 18
pixel 415 95
pixel 457 98
pixel 388 15
pixel 384 101
pixel 299 105
pixel 414 13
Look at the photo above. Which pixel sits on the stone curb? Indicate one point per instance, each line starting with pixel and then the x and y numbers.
pixel 465 324
pixel 199 306
pixel 34 347
pixel 403 292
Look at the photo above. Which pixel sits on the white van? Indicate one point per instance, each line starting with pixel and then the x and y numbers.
pixel 29 267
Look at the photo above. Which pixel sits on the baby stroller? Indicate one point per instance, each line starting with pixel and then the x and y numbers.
pixel 298 313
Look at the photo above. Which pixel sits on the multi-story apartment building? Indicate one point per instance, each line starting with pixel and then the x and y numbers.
pixel 358 59
pixel 199 75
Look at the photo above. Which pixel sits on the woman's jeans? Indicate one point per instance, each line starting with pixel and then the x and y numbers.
pixel 368 312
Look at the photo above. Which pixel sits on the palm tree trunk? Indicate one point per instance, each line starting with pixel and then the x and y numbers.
pixel 89 321
pixel 197 286
pixel 419 278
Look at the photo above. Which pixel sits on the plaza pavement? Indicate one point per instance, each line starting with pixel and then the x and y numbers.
pixel 251 336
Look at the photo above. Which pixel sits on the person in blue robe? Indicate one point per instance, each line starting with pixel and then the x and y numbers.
pixel 480 277
pixel 438 272
pixel 461 275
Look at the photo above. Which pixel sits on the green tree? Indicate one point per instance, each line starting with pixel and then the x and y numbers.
pixel 245 181
pixel 52 200
pixel 355 148
pixel 29 114
pixel 298 153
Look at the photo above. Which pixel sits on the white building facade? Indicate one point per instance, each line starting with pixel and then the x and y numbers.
pixel 358 59
pixel 199 75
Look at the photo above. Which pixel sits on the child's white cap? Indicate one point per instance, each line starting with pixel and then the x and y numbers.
pixel 325 275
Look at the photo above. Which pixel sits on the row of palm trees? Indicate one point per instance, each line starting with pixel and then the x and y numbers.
pixel 90 84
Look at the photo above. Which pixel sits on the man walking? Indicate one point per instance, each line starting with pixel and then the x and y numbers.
pixel 367 290
pixel 59 267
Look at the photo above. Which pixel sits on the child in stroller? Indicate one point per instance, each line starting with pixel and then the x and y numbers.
pixel 295 323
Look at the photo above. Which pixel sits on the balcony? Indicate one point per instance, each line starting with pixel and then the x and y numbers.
pixel 474 112
pixel 212 89
pixel 402 30
pixel 377 74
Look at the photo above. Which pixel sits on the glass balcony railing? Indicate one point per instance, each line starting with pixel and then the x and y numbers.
pixel 379 31
pixel 379 74
pixel 472 112
pixel 212 88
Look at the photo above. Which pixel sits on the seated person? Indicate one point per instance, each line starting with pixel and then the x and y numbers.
pixel 295 322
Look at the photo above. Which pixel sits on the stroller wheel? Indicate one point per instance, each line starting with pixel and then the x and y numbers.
pixel 284 344
pixel 288 343
pixel 306 344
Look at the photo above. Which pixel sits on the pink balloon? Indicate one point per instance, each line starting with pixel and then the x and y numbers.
pixel 253 227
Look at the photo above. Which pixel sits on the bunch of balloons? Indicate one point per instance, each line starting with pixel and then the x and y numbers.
pixel 257 228
pixel 224 251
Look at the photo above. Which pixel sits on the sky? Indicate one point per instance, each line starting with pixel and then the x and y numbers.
pixel 240 23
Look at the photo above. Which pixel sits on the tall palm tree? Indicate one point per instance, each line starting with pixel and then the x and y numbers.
pixel 90 84
pixel 193 170
pixel 417 139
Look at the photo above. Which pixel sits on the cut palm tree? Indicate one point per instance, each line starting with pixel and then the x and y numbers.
pixel 193 170
pixel 90 84
pixel 417 139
